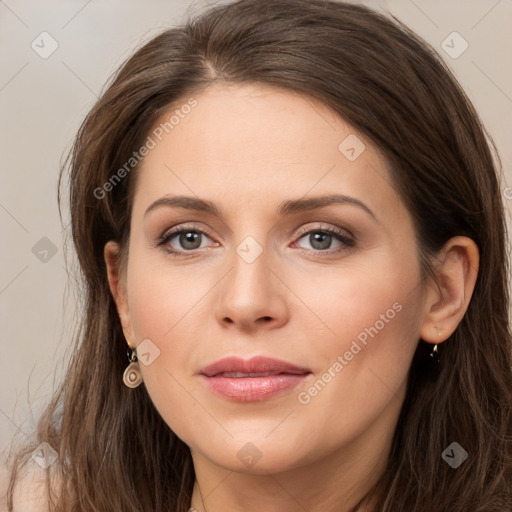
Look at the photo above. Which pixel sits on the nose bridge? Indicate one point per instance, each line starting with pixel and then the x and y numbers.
pixel 249 281
pixel 251 294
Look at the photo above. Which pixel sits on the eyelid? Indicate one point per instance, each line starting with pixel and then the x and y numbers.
pixel 321 227
pixel 176 230
pixel 344 236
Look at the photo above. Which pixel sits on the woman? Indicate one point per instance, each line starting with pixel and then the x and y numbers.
pixel 287 214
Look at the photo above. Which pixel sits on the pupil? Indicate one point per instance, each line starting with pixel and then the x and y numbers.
pixel 322 238
pixel 190 238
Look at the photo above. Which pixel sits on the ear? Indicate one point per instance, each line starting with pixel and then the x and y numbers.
pixel 446 304
pixel 117 282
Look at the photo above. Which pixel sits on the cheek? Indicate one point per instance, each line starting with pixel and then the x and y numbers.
pixel 370 320
pixel 366 361
pixel 169 307
pixel 375 298
pixel 164 305
pixel 163 300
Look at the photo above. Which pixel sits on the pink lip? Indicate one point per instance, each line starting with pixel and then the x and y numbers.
pixel 258 364
pixel 252 388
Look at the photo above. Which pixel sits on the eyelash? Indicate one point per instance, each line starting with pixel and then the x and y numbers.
pixel 338 234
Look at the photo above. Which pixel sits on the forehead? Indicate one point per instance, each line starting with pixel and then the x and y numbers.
pixel 252 144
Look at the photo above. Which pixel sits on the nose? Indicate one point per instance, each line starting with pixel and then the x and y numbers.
pixel 252 296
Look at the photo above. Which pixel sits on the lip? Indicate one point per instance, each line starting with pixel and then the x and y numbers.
pixel 258 364
pixel 276 376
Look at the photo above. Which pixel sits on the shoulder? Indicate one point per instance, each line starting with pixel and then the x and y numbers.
pixel 30 492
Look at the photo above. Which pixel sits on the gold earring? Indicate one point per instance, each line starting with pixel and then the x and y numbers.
pixel 132 376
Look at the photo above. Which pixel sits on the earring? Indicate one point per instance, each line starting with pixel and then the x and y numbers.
pixel 434 354
pixel 132 376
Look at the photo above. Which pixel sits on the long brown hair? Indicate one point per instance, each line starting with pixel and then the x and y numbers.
pixel 115 451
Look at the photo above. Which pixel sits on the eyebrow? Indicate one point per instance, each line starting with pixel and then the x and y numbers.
pixel 285 208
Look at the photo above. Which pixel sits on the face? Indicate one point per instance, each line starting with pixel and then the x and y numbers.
pixel 306 255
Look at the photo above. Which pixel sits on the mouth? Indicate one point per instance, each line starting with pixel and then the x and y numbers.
pixel 241 375
pixel 254 380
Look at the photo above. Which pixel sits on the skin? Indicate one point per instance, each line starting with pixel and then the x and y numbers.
pixel 247 148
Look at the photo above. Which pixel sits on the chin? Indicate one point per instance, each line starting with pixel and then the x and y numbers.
pixel 258 457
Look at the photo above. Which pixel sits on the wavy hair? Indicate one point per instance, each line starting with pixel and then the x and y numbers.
pixel 115 451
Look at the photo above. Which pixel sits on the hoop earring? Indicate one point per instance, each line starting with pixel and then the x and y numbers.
pixel 132 376
pixel 434 354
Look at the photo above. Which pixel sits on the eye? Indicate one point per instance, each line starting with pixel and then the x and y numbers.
pixel 182 240
pixel 321 239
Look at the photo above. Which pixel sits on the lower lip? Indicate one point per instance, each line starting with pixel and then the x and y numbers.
pixel 253 389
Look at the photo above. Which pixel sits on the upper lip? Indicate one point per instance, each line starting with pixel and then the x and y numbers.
pixel 258 364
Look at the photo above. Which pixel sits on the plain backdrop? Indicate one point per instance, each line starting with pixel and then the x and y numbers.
pixel 43 99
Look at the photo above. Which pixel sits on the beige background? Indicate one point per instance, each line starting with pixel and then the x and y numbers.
pixel 42 102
